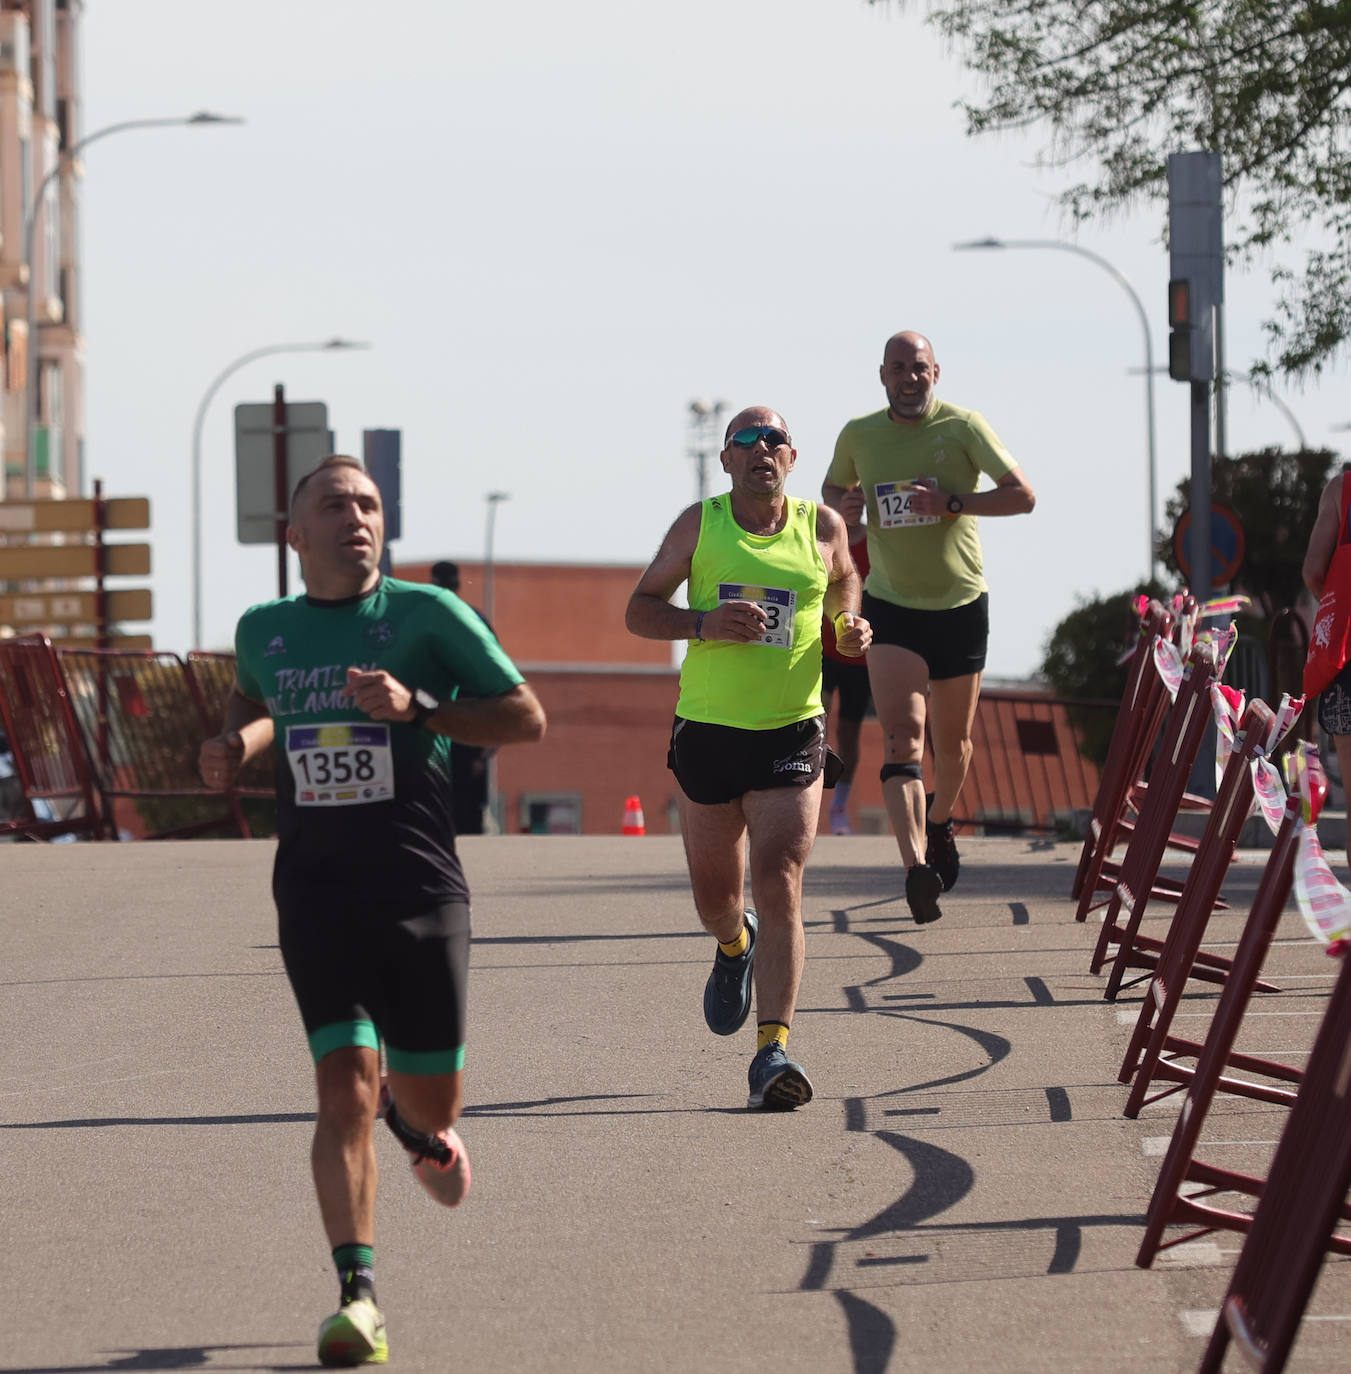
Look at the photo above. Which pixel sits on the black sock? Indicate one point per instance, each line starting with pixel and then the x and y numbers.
pixel 356 1271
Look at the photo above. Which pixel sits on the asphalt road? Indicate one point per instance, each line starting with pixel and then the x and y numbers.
pixel 962 1194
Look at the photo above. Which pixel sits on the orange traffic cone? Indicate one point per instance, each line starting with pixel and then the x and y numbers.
pixel 633 817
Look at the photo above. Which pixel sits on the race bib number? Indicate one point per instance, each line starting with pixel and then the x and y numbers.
pixel 893 507
pixel 340 765
pixel 779 606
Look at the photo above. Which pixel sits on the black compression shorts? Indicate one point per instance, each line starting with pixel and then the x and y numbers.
pixel 719 763
pixel 362 976
pixel 850 680
pixel 953 643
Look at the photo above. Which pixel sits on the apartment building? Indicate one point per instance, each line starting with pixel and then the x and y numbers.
pixel 39 118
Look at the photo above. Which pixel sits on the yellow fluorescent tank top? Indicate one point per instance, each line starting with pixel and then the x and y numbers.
pixel 760 686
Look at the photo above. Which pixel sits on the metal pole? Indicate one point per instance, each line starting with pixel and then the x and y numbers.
pixel 280 495
pixel 1200 491
pixel 199 419
pixel 63 161
pixel 1118 276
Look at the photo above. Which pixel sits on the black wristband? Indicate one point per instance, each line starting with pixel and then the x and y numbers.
pixel 699 627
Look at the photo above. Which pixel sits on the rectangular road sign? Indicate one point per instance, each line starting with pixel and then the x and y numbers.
pixel 36 561
pixel 114 642
pixel 75 516
pixel 72 608
pixel 308 442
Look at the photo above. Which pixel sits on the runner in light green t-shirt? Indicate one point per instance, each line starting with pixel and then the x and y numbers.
pixel 915 468
pixel 748 743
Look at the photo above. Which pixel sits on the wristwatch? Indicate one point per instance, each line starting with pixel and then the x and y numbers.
pixel 955 504
pixel 423 706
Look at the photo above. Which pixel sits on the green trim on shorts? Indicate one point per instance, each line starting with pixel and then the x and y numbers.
pixel 425 1062
pixel 342 1035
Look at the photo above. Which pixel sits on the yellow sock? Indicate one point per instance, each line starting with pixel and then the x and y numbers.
pixel 768 1031
pixel 738 946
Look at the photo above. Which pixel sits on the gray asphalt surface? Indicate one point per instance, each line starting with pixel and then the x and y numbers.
pixel 963 1192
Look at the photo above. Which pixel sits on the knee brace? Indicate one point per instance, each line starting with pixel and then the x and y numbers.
pixel 903 770
pixel 418 1144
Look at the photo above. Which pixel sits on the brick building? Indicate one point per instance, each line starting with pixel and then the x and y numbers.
pixel 610 697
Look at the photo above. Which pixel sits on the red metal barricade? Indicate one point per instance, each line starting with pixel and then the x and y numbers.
pixel 143 723
pixel 1153 1052
pixel 1169 1205
pixel 49 757
pixel 1142 707
pixel 1139 869
pixel 1301 1203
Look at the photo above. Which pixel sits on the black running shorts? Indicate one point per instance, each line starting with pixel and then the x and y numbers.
pixel 850 680
pixel 719 763
pixel 362 976
pixel 953 643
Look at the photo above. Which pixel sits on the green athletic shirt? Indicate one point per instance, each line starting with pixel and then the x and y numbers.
pixel 928 567
pixel 758 686
pixel 363 806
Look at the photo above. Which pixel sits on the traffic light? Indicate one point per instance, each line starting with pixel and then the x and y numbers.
pixel 1180 326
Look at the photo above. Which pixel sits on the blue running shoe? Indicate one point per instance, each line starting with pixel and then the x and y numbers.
pixel 727 994
pixel 777 1084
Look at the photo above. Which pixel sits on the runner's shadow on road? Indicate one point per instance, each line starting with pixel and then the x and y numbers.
pixel 169 1357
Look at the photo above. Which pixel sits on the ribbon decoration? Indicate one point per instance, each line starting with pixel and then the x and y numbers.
pixel 1323 902
pixel 1225 605
pixel 1168 661
pixel 1268 792
pixel 1286 714
pixel 1226 703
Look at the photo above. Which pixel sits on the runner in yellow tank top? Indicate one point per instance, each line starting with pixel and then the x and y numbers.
pixel 748 743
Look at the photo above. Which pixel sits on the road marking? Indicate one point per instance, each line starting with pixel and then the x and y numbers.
pixel 1191 1254
pixel 1198 1322
pixel 1157 1145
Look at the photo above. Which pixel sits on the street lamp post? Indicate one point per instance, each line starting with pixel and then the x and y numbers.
pixel 705 418
pixel 329 345
pixel 29 239
pixel 494 499
pixel 1149 354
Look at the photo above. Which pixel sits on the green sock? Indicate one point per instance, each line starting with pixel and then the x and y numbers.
pixel 766 1032
pixel 356 1271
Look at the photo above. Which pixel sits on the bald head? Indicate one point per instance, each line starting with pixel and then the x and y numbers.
pixel 909 374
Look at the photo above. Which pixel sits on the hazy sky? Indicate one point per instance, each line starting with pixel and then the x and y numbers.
pixel 559 223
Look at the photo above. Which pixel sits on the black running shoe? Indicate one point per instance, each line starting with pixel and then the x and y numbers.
pixel 940 852
pixel 777 1084
pixel 727 994
pixel 922 886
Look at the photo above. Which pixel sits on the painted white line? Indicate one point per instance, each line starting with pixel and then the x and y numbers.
pixel 1206 1015
pixel 1155 1146
pixel 1199 1323
pixel 1127 1017
pixel 1191 1254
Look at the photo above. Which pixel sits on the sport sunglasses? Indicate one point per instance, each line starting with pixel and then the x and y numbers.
pixel 771 434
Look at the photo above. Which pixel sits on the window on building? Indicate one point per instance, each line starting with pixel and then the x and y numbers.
pixel 551 813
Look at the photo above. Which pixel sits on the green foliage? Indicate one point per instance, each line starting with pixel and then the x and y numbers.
pixel 1083 661
pixel 1275 497
pixel 1122 83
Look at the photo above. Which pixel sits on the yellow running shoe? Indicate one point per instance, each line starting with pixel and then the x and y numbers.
pixel 353 1335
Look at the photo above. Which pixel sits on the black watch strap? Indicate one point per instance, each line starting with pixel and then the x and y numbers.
pixel 423 706
pixel 955 504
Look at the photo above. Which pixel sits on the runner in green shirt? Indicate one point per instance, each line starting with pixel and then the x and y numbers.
pixel 748 744
pixel 916 468
pixel 358 685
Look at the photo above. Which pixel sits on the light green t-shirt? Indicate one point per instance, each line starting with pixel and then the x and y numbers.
pixel 931 566
pixel 760 686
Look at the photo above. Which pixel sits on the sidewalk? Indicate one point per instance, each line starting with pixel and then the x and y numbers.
pixel 963 1193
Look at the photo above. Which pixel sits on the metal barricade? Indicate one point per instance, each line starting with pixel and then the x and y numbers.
pixel 58 795
pixel 143 723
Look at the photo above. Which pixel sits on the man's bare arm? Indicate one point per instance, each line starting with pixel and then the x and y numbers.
pixel 515 717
